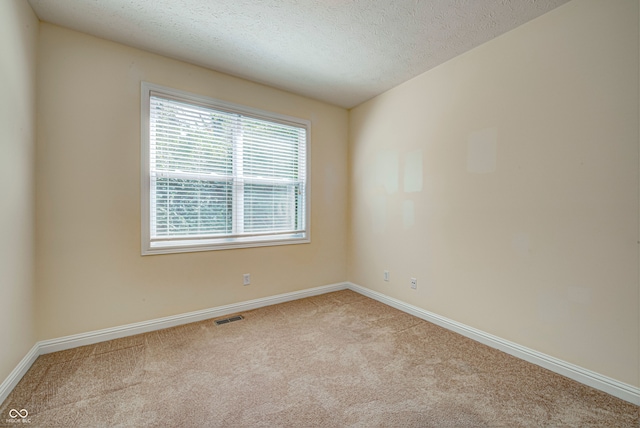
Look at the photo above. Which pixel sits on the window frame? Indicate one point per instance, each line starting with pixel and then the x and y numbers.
pixel 169 246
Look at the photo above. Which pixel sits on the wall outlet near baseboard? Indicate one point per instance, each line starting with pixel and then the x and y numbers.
pixel 246 279
pixel 414 283
pixel 386 275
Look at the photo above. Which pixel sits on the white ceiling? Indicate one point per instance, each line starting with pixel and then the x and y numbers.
pixel 340 51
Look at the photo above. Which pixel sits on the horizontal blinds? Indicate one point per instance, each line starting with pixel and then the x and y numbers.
pixel 270 207
pixel 216 173
pixel 190 138
pixel 270 151
pixel 192 207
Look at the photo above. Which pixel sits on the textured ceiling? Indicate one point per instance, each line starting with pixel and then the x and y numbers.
pixel 339 51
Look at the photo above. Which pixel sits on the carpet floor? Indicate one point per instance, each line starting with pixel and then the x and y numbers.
pixel 335 360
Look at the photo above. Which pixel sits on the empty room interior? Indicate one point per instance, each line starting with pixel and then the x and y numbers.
pixel 319 213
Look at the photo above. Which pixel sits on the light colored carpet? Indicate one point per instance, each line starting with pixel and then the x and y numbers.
pixel 335 360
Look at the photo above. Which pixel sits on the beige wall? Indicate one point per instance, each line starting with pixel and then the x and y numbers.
pixel 18 49
pixel 90 273
pixel 506 182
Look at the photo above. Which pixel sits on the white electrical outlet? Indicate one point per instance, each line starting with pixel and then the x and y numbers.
pixel 246 279
pixel 386 275
pixel 414 283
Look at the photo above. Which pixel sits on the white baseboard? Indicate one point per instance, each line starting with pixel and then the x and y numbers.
pixel 16 374
pixel 89 338
pixel 611 386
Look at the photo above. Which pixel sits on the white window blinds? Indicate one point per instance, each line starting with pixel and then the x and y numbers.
pixel 221 178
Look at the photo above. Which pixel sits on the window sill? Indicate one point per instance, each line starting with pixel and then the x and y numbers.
pixel 169 247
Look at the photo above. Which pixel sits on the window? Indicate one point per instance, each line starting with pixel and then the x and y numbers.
pixel 217 175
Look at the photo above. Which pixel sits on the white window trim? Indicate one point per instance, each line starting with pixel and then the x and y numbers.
pixel 220 243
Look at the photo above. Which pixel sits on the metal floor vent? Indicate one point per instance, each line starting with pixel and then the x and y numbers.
pixel 228 320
